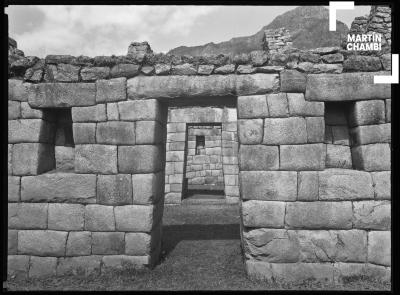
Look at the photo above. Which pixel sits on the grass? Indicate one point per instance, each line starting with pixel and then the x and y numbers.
pixel 201 251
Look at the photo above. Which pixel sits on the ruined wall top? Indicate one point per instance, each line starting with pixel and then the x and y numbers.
pixel 277 40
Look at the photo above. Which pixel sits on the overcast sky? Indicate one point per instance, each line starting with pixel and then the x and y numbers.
pixel 105 30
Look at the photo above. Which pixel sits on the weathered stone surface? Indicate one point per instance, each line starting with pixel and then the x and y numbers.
pixel 225 69
pixel 112 112
pixel 319 215
pixel 12 242
pixel 123 262
pixel 32 158
pixel 298 106
pixel 308 184
pixel 61 95
pixel 302 157
pixel 149 110
pixel 325 50
pixel 305 67
pixel 84 133
pixel 388 104
pixel 382 184
pixel 284 131
pixel 9 158
pixel 269 185
pixel 95 113
pixel 308 56
pixel 250 131
pixel 124 70
pixel 28 113
pixel 370 134
pixel 379 247
pixel 215 85
pixel 327 68
pixel 111 90
pixel 137 244
pixel 254 106
pixel 116 133
pixel 345 87
pixel 184 69
pixel 66 217
pixel 293 81
pixel 140 159
pixel 63 73
pixel 196 115
pixel 149 132
pixel 96 158
pixel 277 105
pixel 147 70
pixel 372 215
pixel 372 157
pixel 258 57
pixel 14 184
pixel 27 216
pixel 173 198
pixel 205 69
pixel 79 243
pixel 66 187
pixel 30 130
pixel 162 69
pixel 95 73
pixel 114 189
pixel 340 135
pixel 263 214
pixel 108 243
pixel 270 69
pixel 338 156
pixel 367 113
pixel 359 63
pixel 147 188
pixel 333 58
pixel 14 110
pixel 136 218
pixel 99 218
pixel 57 59
pixel 17 90
pixel 18 266
pixel 386 60
pixel 42 242
pixel 83 265
pixel 345 272
pixel 246 69
pixel 258 157
pixel 42 267
pixel 315 129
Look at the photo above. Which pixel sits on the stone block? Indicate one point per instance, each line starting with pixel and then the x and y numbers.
pixel 110 90
pixel 140 159
pixel 382 185
pixel 84 133
pixel 345 87
pixel 147 70
pixel 372 215
pixel 82 266
pixel 302 157
pixel 136 218
pixel 225 69
pixel 372 157
pixel 351 246
pixel 42 242
pixel 65 73
pixel 99 218
pixel 12 242
pixel 379 247
pixel 27 216
pixel 32 158
pixel 95 113
pixel 116 133
pixel 315 129
pixel 95 73
pixel 205 69
pixel 268 185
pixel 28 113
pixel 284 131
pixel 346 272
pixel 340 135
pixel 370 134
pixel 173 198
pixel 361 63
pixel 254 106
pixel 9 156
pixel 66 217
pixel 17 90
pixel 79 243
pixel 338 156
pixel 293 81
pixel 277 105
pixel 258 157
pixel 175 156
pixel 124 70
pixel 184 69
pixel 114 189
pixel 162 69
pixel 42 267
pixel 388 104
pixel 140 110
pixel 108 243
pixel 112 112
pixel 319 215
pixel 14 110
pixel 298 106
pixel 149 132
pixel 14 188
pixel 95 158
pixel 367 112
pixel 30 130
pixel 18 266
pixel 123 262
pixel 61 95
pixel 308 185
pixel 137 244
pixel 263 214
pixel 196 114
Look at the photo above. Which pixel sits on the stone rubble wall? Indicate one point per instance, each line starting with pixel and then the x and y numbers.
pixel 277 40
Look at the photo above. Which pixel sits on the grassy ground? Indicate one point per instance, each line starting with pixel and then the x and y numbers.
pixel 201 251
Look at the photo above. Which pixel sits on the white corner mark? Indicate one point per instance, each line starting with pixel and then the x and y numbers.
pixel 394 78
pixel 335 5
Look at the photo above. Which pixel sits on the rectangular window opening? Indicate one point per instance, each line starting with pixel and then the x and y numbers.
pixel 200 144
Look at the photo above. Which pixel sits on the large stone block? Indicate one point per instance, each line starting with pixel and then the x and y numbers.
pixel 117 133
pixel 177 156
pixel 319 215
pixel 216 85
pixel 83 265
pixel 64 187
pixel 372 215
pixel 370 134
pixel 65 156
pixel 147 188
pixel 338 156
pixel 254 106
pixel 140 159
pixel 149 132
pixel 79 243
pixel 345 87
pixel 382 185
pixel 284 131
pixel 42 267
pixel 136 218
pixel 12 242
pixel 114 189
pixel 137 244
pixel 66 217
pixel 42 242
pixel 124 70
pixel 112 111
pixel 372 157
pixel 379 247
pixel 268 185
pixel 263 214
pixel 302 157
pixel 138 110
pixel 315 129
pixel 14 188
pixel 388 104
pixel 367 112
pixel 196 115
pixel 99 218
pixel 277 105
pixel 14 110
pixel 110 90
pixel 18 266
pixel 258 157
pixel 293 81
pixel 108 243
pixel 30 130
pixel 28 113
pixel 95 113
pixel 27 216
pixel 298 106
pixel 94 73
pixel 95 158
pixel 308 184
pixel 84 133
pixel 17 90
pixel 358 63
pixel 61 95
pixel 32 158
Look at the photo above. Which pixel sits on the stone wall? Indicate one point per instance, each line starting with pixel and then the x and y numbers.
pixel 277 40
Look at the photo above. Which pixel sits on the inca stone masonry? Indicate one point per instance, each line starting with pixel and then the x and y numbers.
pixel 300 139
